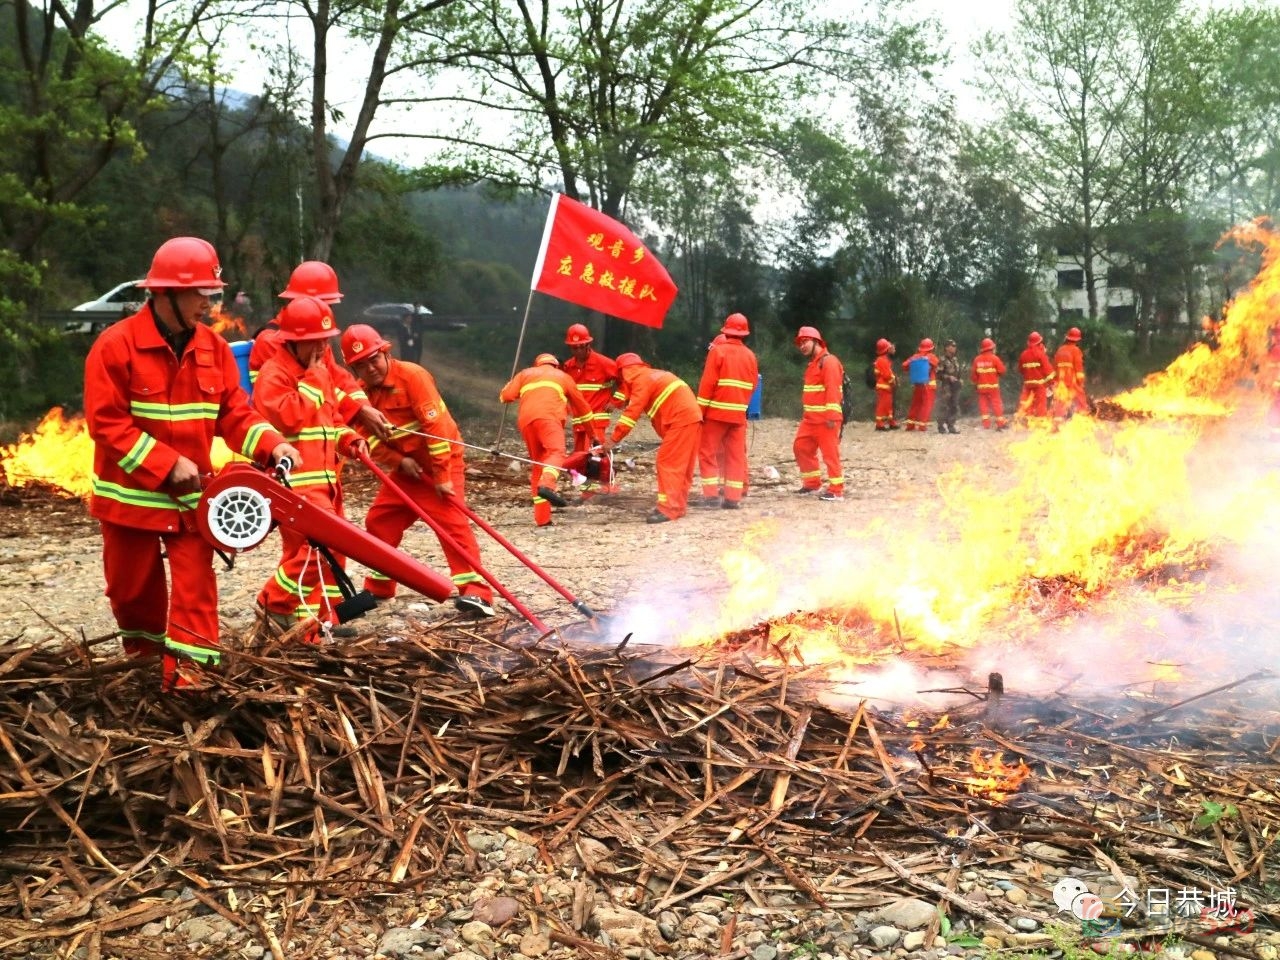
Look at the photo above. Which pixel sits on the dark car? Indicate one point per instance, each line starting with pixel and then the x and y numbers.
pixel 394 319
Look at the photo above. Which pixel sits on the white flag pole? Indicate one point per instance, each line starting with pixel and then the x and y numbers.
pixel 533 283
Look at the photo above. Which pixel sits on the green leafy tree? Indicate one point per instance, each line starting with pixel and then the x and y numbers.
pixel 72 105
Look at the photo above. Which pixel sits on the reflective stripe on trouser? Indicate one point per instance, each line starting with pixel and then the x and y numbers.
pixel 544 439
pixel 921 406
pixel 991 404
pixel 812 440
pixel 884 408
pixel 140 596
pixel 722 458
pixel 675 462
pixel 1033 402
pixel 389 518
pixel 302 585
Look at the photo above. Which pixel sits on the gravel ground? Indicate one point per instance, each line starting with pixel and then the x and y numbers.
pixel 498 902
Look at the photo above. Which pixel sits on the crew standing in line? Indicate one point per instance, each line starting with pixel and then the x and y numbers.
pixel 158 387
pixel 985 373
pixel 885 381
pixel 1037 378
pixel 818 434
pixel 1068 391
pixel 728 380
pixel 921 369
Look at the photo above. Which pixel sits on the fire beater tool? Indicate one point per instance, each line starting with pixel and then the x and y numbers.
pixel 444 536
pixel 511 548
pixel 241 504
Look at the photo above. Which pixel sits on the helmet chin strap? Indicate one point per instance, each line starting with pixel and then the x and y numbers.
pixel 172 297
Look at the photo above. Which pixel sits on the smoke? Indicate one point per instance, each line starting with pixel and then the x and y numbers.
pixel 1115 557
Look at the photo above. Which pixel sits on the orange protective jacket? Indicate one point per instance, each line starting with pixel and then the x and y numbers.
pixel 144 408
pixel 1035 366
pixel 351 395
pixel 822 391
pixel 663 397
pixel 986 370
pixel 885 377
pixel 597 379
pixel 1069 362
pixel 301 402
pixel 408 397
pixel 544 393
pixel 728 380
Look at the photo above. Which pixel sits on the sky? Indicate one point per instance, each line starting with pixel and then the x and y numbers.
pixel 962 23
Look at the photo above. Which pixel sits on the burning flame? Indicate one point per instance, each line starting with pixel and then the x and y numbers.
pixel 57 453
pixel 1067 521
pixel 992 779
pixel 228 325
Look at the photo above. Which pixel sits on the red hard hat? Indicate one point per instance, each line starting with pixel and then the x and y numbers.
pixel 882 346
pixel 360 342
pixel 313 278
pixel 987 344
pixel 185 263
pixel 809 333
pixel 1073 334
pixel 307 318
pixel 628 360
pixel 735 325
pixel 546 359
pixel 925 345
pixel 1034 339
pixel 577 335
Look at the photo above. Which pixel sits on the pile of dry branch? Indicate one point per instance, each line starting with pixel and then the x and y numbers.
pixel 356 769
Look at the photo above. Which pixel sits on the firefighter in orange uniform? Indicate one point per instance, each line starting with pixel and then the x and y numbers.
pixel 545 392
pixel 1068 392
pixel 296 393
pixel 158 387
pixel 886 379
pixel 985 373
pixel 728 380
pixel 596 376
pixel 315 278
pixel 429 469
pixel 922 370
pixel 1037 376
pixel 673 410
pixel 819 430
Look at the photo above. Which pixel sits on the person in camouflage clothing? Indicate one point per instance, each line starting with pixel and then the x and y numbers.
pixel 949 388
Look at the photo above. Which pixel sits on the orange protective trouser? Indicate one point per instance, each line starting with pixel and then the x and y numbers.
pixel 921 408
pixel 990 404
pixel 722 459
pixel 545 440
pixel 811 440
pixel 1033 402
pixel 884 408
pixel 303 585
pixel 1068 399
pixel 140 598
pixel 677 457
pixel 389 517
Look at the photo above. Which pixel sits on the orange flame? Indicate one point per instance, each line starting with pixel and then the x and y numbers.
pixel 1062 522
pixel 228 325
pixel 58 453
pixel 992 778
